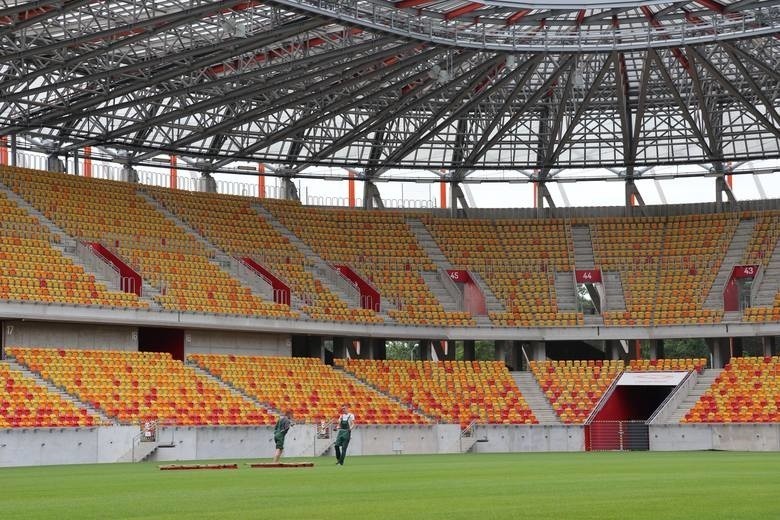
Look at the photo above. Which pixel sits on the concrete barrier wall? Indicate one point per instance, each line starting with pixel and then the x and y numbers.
pixel 44 446
pixel 730 437
pixel 523 438
pixel 238 343
pixel 69 335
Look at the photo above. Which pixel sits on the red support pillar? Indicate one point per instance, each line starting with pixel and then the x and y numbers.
pixel 261 180
pixel 174 173
pixel 3 150
pixel 87 161
pixel 351 189
pixel 443 194
pixel 637 349
pixel 536 194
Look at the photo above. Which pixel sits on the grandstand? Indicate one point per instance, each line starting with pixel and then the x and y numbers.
pixel 153 306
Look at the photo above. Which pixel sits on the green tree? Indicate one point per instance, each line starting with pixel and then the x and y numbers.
pixel 680 348
pixel 402 349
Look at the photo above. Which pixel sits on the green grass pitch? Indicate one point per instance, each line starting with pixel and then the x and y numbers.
pixel 706 485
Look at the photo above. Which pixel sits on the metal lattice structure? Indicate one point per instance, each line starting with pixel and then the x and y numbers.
pixel 377 85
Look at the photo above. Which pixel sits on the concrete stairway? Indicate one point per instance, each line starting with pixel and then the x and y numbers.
pixel 320 269
pixel 583 247
pixel 533 395
pixel 733 256
pixel 565 291
pixel 431 248
pixel 613 287
pixel 769 284
pixel 705 380
pixel 79 254
pixel 15 365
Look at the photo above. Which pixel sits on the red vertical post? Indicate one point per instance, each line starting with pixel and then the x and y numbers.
pixel 637 349
pixel 261 180
pixel 536 193
pixel 4 150
pixel 443 194
pixel 351 189
pixel 174 173
pixel 87 161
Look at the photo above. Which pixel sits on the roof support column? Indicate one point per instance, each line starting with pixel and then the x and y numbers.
pixel 371 196
pixel 633 198
pixel 458 200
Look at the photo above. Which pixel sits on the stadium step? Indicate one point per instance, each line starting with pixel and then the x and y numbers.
pixel 615 300
pixel 769 283
pixel 565 291
pixel 704 381
pixel 57 390
pixel 140 451
pixel 734 255
pixel 321 269
pixel 583 247
pixel 534 396
pixel 434 252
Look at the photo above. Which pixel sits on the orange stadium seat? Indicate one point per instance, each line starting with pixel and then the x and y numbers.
pixel 379 246
pixel 25 404
pixel 311 390
pixel 171 260
pixel 231 223
pixel 746 391
pixel 518 261
pixel 451 391
pixel 132 387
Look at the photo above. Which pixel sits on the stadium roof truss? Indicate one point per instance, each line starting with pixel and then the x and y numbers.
pixel 450 85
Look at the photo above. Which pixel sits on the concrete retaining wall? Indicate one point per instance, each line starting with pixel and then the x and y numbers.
pixel 238 343
pixel 520 438
pixel 69 335
pixel 729 437
pixel 44 446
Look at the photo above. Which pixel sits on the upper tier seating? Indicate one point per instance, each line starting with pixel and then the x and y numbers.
pixel 25 404
pixel 313 391
pixel 232 224
pixel 168 258
pixel 382 248
pixel 760 251
pixel 746 391
pixel 518 261
pixel 31 269
pixel 667 265
pixel 138 386
pixel 452 391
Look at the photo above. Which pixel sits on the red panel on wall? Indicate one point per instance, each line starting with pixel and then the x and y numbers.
pixel 587 275
pixel 744 271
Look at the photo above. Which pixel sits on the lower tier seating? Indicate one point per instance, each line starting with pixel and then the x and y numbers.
pixel 311 390
pixel 137 386
pixel 451 391
pixel 746 391
pixel 25 404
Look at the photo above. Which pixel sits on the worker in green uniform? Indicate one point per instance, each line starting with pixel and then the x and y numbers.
pixel 283 425
pixel 346 423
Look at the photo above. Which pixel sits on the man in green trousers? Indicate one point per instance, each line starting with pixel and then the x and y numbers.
pixel 283 425
pixel 346 422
